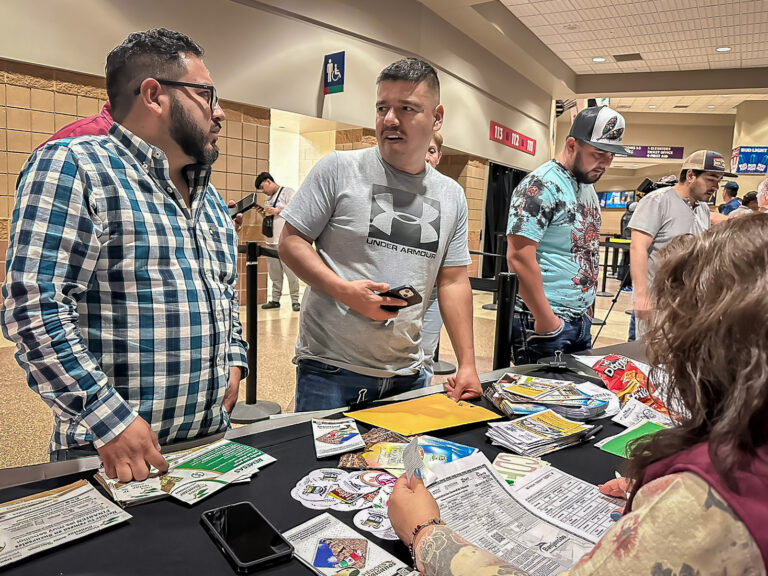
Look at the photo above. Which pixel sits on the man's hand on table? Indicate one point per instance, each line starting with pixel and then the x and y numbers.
pixel 465 385
pixel 129 455
pixel 233 390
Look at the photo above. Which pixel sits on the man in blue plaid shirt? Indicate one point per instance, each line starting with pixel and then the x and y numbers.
pixel 120 286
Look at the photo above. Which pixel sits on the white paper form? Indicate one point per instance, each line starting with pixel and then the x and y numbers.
pixel 567 502
pixel 635 412
pixel 478 504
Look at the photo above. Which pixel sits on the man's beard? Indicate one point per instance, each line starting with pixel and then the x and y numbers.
pixel 192 140
pixel 581 176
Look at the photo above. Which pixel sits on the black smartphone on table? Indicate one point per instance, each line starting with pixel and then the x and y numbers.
pixel 407 293
pixel 248 540
pixel 244 205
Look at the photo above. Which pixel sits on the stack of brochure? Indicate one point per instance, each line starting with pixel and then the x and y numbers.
pixel 538 394
pixel 538 434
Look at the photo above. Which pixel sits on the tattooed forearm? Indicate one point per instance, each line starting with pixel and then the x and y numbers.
pixel 442 552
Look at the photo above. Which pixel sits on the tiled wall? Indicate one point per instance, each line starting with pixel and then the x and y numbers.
pixel 36 101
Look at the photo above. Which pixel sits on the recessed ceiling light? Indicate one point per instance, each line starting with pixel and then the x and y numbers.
pixel 652 106
pixel 711 106
pixel 598 59
pixel 725 95
pixel 635 165
pixel 723 49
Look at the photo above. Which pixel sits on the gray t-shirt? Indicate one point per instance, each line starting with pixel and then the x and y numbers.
pixel 664 215
pixel 372 221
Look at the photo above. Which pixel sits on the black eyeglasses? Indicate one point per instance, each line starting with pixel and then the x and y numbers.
pixel 213 98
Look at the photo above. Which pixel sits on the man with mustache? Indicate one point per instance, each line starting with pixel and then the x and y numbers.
pixel 666 214
pixel 121 286
pixel 553 238
pixel 380 218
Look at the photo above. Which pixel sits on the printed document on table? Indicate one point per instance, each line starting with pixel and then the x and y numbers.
pixel 635 412
pixel 328 546
pixel 46 520
pixel 567 502
pixel 480 506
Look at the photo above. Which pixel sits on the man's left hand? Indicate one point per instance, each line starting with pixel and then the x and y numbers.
pixel 233 390
pixel 465 385
pixel 238 219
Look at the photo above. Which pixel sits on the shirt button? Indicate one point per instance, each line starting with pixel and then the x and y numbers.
pixel 211 231
pixel 157 154
pixel 169 189
pixel 145 166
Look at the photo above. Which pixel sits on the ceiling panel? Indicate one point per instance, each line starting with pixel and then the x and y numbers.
pixel 669 34
pixel 706 104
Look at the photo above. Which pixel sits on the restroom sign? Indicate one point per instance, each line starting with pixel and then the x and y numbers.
pixel 508 137
pixel 333 73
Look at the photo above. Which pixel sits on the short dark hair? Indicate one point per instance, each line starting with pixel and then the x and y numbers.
pixel 730 192
pixel 749 197
pixel 684 174
pixel 261 177
pixel 411 70
pixel 156 53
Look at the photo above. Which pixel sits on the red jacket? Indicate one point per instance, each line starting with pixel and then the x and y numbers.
pixel 98 125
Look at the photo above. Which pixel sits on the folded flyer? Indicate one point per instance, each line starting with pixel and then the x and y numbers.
pixel 537 434
pixel 192 474
pixel 328 546
pixel 334 437
pixel 49 519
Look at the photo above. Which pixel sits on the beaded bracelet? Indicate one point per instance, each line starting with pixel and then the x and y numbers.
pixel 419 528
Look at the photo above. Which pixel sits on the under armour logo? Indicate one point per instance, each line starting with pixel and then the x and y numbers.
pixel 404 218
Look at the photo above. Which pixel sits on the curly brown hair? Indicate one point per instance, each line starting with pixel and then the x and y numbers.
pixel 710 335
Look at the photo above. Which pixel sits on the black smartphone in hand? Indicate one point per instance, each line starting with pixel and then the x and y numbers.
pixel 244 205
pixel 407 293
pixel 248 540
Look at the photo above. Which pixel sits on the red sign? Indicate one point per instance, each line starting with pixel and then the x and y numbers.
pixel 508 137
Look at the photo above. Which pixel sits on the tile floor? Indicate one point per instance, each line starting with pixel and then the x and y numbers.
pixel 26 422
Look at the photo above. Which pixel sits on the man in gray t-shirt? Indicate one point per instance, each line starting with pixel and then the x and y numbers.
pixel 666 214
pixel 380 218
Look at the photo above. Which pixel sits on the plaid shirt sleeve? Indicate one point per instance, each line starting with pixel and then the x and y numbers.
pixel 53 251
pixel 238 354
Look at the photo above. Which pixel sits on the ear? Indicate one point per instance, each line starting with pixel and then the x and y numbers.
pixel 152 97
pixel 439 114
pixel 570 145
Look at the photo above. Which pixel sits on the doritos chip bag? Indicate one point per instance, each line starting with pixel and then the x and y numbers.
pixel 623 377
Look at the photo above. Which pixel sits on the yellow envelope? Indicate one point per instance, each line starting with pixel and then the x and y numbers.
pixel 425 414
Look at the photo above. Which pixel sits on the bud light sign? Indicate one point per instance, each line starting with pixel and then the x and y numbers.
pixel 750 160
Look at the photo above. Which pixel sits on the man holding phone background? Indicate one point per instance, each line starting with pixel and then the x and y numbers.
pixel 278 198
pixel 380 218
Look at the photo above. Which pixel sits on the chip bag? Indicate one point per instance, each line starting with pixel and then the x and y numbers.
pixel 625 379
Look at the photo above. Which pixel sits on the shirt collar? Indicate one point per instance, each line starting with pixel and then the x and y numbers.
pixel 155 162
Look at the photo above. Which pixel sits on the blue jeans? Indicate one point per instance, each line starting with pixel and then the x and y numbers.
pixel 320 386
pixel 632 334
pixel 528 347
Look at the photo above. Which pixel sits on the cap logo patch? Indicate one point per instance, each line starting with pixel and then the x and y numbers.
pixel 719 163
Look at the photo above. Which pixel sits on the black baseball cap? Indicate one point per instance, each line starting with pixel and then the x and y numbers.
pixel 601 127
pixel 707 161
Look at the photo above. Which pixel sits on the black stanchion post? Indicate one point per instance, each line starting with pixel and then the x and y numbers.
pixel 252 410
pixel 502 348
pixel 501 255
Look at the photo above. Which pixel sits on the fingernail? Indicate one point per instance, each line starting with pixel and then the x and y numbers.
pixel 615 516
pixel 417 473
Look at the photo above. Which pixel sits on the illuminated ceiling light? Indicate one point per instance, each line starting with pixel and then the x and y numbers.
pixel 725 95
pixel 723 49
pixel 598 59
pixel 652 106
pixel 711 106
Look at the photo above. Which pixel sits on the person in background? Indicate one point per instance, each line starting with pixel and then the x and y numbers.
pixel 748 206
pixel 665 214
pixel 730 193
pixel 433 322
pixel 554 239
pixel 120 292
pixel 278 197
pixel 699 497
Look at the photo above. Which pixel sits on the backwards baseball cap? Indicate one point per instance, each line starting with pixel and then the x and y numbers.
pixel 707 161
pixel 601 127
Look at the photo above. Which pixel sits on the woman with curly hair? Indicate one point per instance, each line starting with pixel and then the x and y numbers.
pixel 699 502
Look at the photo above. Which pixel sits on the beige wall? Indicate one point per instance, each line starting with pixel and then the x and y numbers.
pixel 313 146
pixel 273 57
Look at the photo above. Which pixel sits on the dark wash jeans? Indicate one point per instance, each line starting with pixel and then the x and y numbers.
pixel 320 386
pixel 528 347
